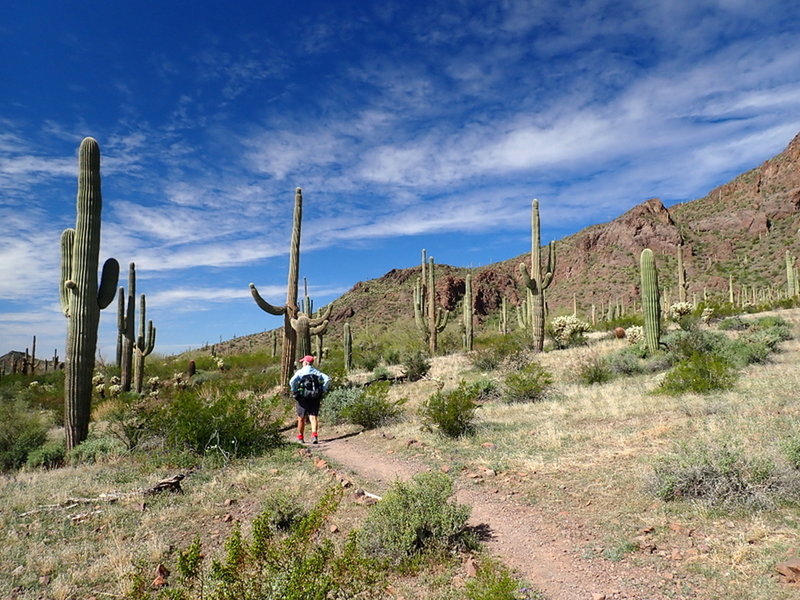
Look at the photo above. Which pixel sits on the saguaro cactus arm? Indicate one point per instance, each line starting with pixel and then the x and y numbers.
pixel 264 305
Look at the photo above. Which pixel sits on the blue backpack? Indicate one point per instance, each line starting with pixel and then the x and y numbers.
pixel 310 387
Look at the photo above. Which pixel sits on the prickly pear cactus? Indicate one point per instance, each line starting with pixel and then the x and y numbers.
pixel 81 296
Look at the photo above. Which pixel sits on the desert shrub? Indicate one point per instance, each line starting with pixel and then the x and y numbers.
pixel 627 361
pixel 531 383
pixel 381 373
pixel 279 512
pixel 415 518
pixel 684 344
pixel 733 324
pixel 22 430
pixel 416 366
pixel 372 407
pixel 451 413
pixel 368 362
pixel 130 418
pixel 226 423
pixel 700 373
pixel 625 321
pixel 47 456
pixel 490 353
pixel 568 331
pixel 494 581
pixel 767 336
pixel 595 368
pixel 96 449
pixel 720 473
pixel 483 389
pixel 334 402
pixel 299 562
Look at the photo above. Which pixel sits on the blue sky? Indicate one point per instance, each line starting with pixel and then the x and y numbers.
pixel 408 126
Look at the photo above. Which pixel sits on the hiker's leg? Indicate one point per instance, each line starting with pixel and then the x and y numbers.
pixel 301 426
pixel 314 423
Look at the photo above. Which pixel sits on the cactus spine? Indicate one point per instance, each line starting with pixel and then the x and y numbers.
pixel 81 296
pixel 538 279
pixel 469 312
pixel 430 319
pixel 145 342
pixel 348 348
pixel 651 307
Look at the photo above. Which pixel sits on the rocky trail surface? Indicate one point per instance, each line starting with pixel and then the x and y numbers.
pixel 545 552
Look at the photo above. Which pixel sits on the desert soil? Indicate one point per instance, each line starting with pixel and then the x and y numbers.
pixel 544 551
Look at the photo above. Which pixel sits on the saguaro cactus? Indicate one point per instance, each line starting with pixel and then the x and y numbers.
pixel 791 284
pixel 81 296
pixel 125 329
pixel 144 346
pixel 651 306
pixel 347 342
pixel 430 319
pixel 293 324
pixel 683 286
pixel 469 312
pixel 538 279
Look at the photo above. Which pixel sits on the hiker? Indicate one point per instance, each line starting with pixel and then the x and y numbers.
pixel 308 385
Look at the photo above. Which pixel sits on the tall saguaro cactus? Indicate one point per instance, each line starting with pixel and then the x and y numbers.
pixel 347 342
pixel 651 305
pixel 538 279
pixel 469 312
pixel 430 319
pixel 296 324
pixel 125 329
pixel 683 286
pixel 81 296
pixel 145 342
pixel 791 282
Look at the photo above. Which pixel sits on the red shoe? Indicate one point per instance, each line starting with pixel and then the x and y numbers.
pixel 300 438
pixel 314 438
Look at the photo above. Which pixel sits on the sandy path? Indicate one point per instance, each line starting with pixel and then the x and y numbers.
pixel 545 553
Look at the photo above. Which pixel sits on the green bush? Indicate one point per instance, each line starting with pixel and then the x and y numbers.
pixel 96 449
pixel 416 366
pixel 228 424
pixel 494 581
pixel 292 563
pixel 280 512
pixel 628 360
pixel 453 412
pixel 372 408
pixel 490 352
pixel 415 518
pixel 22 430
pixel 722 474
pixel 334 402
pixel 531 383
pixel 595 369
pixel 736 323
pixel 50 455
pixel 700 373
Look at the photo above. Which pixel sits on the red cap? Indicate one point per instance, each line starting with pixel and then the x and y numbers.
pixel 307 358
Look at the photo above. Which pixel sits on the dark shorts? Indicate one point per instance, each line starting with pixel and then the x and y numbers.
pixel 306 407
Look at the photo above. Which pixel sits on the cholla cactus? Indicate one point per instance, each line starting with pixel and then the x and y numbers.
pixel 634 334
pixel 708 314
pixel 568 330
pixel 679 310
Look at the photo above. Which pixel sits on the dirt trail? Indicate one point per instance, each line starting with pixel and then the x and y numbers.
pixel 545 553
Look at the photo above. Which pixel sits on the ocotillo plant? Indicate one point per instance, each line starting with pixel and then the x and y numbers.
pixel 125 329
pixel 145 342
pixel 430 319
pixel 651 307
pixel 347 342
pixel 81 296
pixel 469 312
pixel 538 279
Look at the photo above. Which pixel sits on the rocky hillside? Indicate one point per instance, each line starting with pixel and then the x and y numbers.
pixel 741 228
